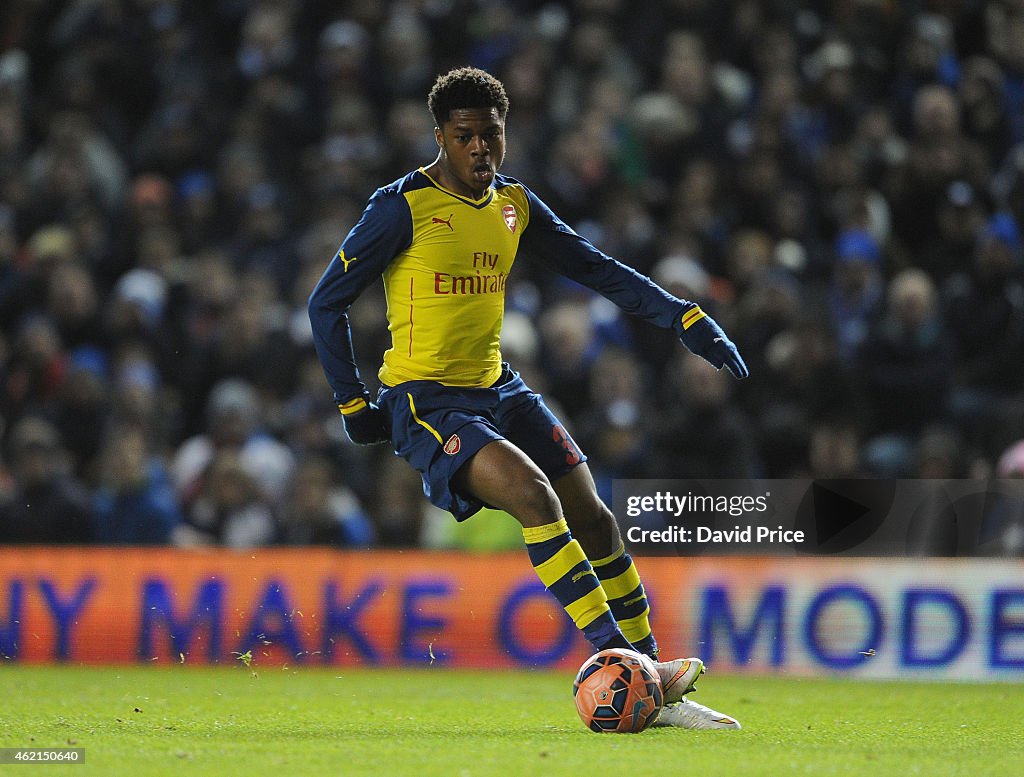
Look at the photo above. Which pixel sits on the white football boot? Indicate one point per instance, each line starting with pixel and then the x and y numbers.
pixel 690 714
pixel 678 677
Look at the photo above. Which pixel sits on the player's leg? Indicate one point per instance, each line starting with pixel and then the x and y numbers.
pixel 594 525
pixel 466 463
pixel 501 475
pixel 533 428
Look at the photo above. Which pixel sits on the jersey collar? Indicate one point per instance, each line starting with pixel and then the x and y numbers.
pixel 483 201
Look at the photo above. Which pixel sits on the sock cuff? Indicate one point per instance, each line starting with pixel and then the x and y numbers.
pixel 536 534
pixel 601 562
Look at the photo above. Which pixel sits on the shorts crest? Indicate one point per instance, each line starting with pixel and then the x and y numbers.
pixel 453 445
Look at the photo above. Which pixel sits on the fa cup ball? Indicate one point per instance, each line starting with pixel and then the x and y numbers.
pixel 615 693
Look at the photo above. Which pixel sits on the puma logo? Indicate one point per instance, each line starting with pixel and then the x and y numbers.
pixel 345 261
pixel 447 222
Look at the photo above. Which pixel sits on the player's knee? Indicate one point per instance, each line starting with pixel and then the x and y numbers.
pixel 535 502
pixel 592 516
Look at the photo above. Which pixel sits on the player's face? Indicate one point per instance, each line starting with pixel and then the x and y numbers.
pixel 472 145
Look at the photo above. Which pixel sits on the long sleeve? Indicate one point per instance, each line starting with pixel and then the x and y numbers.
pixel 383 231
pixel 554 244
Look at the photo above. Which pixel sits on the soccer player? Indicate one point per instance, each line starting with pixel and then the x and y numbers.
pixel 444 238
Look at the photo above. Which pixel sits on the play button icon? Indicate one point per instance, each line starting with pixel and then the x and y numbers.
pixel 840 515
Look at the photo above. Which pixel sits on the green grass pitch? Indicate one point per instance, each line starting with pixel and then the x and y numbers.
pixel 389 723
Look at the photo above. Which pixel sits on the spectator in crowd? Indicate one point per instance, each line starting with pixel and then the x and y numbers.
pixel 1011 462
pixel 939 154
pixel 855 296
pixel 83 408
pixel 230 509
pixel 234 427
pixel 1003 523
pixel 72 302
pixel 399 510
pixel 35 368
pixel 834 450
pixel 938 455
pixel 906 367
pixel 697 407
pixel 803 388
pixel 567 348
pixel 139 397
pixel 984 310
pixel 46 504
pixel 905 359
pixel 321 511
pixel 612 428
pixel 135 503
pixel 960 216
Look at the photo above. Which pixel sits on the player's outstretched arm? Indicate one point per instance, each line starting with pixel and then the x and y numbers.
pixel 555 244
pixel 703 336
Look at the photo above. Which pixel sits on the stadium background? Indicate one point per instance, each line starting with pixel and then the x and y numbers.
pixel 841 184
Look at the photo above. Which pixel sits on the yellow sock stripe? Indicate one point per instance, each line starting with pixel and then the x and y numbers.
pixel 424 424
pixel 609 559
pixel 636 628
pixel 622 585
pixel 588 608
pixel 552 570
pixel 352 406
pixel 692 316
pixel 535 534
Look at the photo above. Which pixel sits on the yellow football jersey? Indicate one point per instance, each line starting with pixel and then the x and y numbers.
pixel 446 291
pixel 445 260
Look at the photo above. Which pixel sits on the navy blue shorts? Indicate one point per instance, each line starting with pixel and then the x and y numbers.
pixel 439 428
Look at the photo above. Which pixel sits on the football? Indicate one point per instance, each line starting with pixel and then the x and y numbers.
pixel 616 694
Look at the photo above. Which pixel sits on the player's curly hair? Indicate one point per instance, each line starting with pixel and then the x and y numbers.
pixel 465 87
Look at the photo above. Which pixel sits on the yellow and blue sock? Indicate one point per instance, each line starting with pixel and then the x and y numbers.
pixel 564 569
pixel 627 599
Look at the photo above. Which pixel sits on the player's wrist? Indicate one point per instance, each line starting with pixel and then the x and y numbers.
pixel 696 329
pixel 354 405
pixel 366 424
pixel 686 316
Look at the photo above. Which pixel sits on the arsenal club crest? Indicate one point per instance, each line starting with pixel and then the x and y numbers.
pixel 453 446
pixel 509 212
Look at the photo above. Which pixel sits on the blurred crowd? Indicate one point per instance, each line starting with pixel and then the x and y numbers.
pixel 841 184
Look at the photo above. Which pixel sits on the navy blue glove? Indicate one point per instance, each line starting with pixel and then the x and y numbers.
pixel 365 423
pixel 703 336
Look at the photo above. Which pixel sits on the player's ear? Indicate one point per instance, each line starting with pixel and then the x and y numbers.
pixel 439 137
